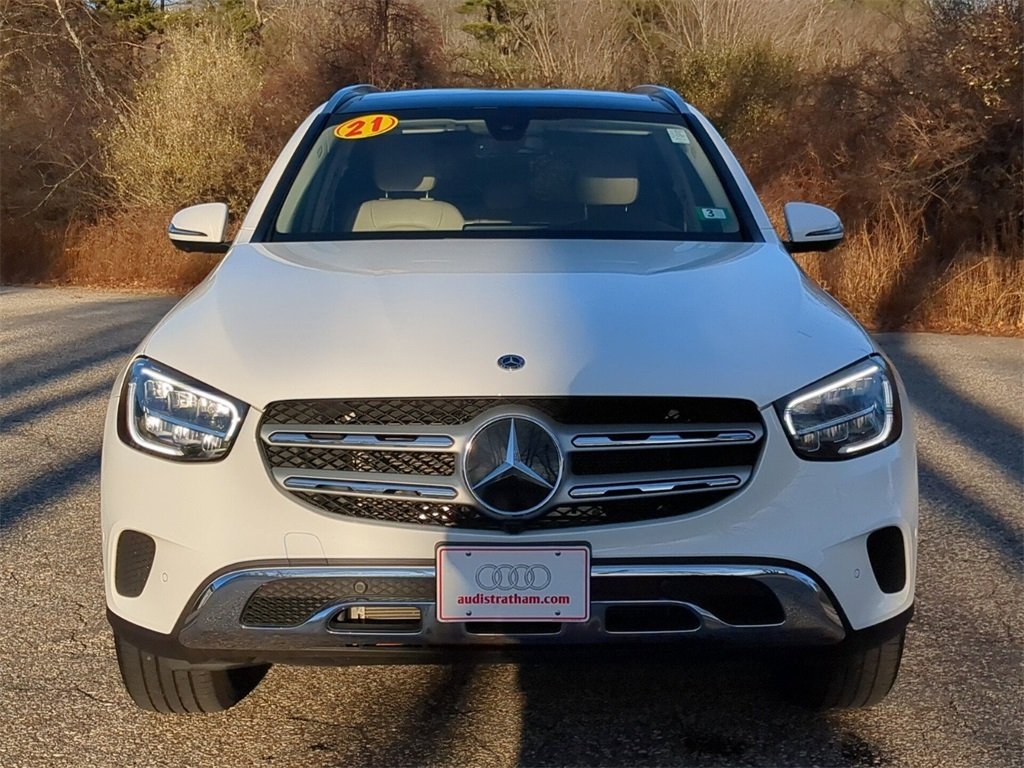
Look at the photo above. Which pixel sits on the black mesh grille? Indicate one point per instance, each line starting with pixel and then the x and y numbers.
pixel 132 562
pixel 663 459
pixel 734 599
pixel 289 602
pixel 460 516
pixel 567 410
pixel 309 457
pixel 396 511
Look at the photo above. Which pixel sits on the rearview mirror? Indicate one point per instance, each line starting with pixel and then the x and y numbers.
pixel 812 228
pixel 200 228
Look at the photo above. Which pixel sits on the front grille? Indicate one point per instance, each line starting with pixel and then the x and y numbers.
pixel 400 461
pixel 409 463
pixel 289 602
pixel 565 410
pixel 466 516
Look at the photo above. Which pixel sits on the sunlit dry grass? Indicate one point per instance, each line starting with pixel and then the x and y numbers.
pixel 885 276
pixel 130 251
pixel 985 292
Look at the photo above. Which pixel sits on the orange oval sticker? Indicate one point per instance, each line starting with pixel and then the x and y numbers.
pixel 366 126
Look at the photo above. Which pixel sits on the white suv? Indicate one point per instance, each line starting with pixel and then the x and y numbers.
pixel 492 374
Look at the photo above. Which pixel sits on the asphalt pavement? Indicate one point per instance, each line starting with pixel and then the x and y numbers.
pixel 959 700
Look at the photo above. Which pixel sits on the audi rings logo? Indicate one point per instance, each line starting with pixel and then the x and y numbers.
pixel 506 578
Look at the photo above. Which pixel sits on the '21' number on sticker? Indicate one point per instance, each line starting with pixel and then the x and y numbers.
pixel 365 126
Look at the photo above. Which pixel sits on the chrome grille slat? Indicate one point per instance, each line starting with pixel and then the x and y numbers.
pixel 341 486
pixel 408 468
pixel 691 436
pixel 697 483
pixel 361 442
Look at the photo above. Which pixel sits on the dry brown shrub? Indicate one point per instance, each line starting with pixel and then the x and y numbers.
pixel 130 250
pixel 62 69
pixel 866 268
pixel 29 249
pixel 984 292
pixel 310 48
pixel 186 136
pixel 547 43
pixel 920 150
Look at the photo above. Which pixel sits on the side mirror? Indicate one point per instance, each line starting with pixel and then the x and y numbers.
pixel 200 228
pixel 812 228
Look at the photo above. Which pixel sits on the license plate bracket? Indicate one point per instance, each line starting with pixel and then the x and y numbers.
pixel 501 583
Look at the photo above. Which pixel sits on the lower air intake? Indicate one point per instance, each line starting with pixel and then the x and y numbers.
pixel 133 562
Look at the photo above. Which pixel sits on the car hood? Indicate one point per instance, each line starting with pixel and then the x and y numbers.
pixel 430 318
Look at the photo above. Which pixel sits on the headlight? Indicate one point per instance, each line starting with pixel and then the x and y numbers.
pixel 168 413
pixel 845 415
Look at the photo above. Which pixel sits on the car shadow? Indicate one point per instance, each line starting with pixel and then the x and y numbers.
pixel 709 710
pixel 706 710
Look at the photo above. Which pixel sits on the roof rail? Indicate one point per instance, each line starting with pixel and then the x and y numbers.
pixel 346 94
pixel 664 94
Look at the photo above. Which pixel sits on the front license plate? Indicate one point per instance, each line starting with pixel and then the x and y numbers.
pixel 513 583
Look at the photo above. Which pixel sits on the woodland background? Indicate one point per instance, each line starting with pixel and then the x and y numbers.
pixel 903 115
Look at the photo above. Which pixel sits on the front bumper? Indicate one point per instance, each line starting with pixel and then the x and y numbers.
pixel 762 604
pixel 815 517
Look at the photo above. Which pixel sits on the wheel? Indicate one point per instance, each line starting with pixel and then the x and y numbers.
pixel 173 687
pixel 857 673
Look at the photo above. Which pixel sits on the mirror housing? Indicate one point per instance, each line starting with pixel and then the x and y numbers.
pixel 200 228
pixel 812 228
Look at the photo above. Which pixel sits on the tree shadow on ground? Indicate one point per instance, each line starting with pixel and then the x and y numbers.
pixel 76 351
pixel 976 427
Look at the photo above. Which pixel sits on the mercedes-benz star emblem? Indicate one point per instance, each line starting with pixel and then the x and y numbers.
pixel 511 362
pixel 512 466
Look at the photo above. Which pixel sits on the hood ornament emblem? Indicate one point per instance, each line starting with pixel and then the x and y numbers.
pixel 511 362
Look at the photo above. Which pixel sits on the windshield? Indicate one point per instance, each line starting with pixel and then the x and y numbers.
pixel 512 173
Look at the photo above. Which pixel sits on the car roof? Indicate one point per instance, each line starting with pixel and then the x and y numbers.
pixel 481 97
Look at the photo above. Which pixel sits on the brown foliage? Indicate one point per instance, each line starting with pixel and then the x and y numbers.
pixel 909 122
pixel 129 250
pixel 312 47
pixel 920 151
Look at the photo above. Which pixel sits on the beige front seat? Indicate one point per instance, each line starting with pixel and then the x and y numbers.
pixel 405 172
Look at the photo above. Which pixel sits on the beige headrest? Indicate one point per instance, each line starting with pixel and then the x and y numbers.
pixel 607 190
pixel 407 216
pixel 402 170
pixel 607 180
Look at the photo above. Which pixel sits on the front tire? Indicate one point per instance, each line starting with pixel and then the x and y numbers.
pixel 173 687
pixel 855 674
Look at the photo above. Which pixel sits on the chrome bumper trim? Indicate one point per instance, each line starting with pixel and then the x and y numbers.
pixel 810 617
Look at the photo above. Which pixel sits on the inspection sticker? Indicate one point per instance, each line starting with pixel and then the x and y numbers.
pixel 366 126
pixel 712 214
pixel 678 136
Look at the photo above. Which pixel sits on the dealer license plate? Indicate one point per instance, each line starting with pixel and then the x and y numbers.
pixel 513 583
